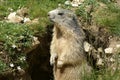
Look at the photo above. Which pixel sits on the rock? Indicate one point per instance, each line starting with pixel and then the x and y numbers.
pixel 109 50
pixel 23 12
pixel 76 3
pixel 13 18
pixel 100 49
pixel 35 41
pixel 34 21
pixel 20 16
pixel 112 60
pixel 87 46
pixel 26 20
pixel 114 42
pixel 100 62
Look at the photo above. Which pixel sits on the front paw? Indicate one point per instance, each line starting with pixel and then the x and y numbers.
pixel 53 59
pixel 59 64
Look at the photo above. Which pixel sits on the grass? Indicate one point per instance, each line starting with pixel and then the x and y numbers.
pixel 17 37
pixel 37 8
pixel 11 33
pixel 109 18
pixel 104 74
pixel 21 35
pixel 3 66
pixel 103 16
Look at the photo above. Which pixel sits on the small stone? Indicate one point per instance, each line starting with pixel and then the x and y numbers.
pixel 13 18
pixel 100 62
pixel 23 12
pixel 87 46
pixel 36 41
pixel 1 52
pixel 75 5
pixel 11 15
pixel 100 49
pixel 26 20
pixel 109 50
pixel 112 60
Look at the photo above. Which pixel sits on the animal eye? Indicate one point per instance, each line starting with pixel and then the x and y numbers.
pixel 60 14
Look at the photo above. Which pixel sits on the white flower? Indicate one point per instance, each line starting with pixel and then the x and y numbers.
pixel 14 46
pixel 7 36
pixel 11 65
pixel 21 37
pixel 23 58
pixel 18 67
pixel 67 2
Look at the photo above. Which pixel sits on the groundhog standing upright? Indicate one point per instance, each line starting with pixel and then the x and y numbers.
pixel 67 53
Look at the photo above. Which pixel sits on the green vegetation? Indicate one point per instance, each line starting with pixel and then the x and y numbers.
pixel 14 33
pixel 104 13
pixel 15 38
pixel 3 66
pixel 109 17
pixel 37 8
pixel 85 10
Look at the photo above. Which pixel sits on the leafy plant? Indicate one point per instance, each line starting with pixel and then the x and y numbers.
pixel 3 66
pixel 16 37
pixel 85 10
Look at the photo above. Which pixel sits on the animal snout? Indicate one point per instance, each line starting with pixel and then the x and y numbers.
pixel 51 17
pixel 48 14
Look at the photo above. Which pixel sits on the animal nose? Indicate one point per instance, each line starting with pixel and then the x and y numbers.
pixel 48 14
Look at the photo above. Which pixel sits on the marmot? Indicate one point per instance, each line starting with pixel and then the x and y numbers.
pixel 67 53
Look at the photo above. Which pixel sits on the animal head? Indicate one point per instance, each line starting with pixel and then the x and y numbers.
pixel 63 17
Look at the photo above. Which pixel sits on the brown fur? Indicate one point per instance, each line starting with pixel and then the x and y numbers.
pixel 67 53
